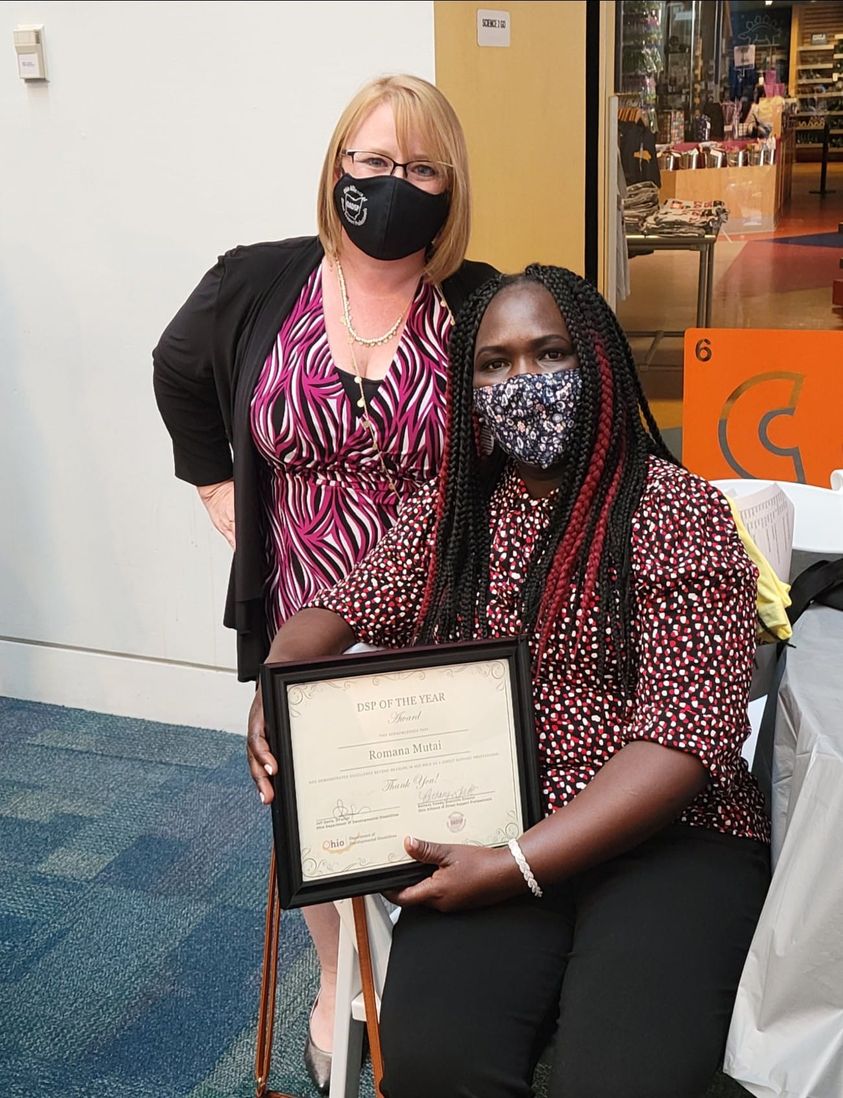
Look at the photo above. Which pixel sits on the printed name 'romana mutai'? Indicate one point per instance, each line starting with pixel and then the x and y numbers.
pixel 378 754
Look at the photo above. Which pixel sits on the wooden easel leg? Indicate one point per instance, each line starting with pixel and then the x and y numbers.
pixel 361 929
pixel 269 979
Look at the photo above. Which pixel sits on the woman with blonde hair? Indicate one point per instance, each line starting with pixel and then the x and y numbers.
pixel 303 384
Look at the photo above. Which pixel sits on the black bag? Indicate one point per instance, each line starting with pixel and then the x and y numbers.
pixel 822 582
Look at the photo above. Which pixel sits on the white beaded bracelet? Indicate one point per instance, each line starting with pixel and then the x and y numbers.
pixel 522 863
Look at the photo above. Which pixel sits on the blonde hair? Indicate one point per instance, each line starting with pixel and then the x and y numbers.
pixel 421 107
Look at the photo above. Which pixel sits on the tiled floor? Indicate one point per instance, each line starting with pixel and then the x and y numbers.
pixel 758 283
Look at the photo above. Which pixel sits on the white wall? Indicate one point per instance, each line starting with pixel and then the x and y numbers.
pixel 168 133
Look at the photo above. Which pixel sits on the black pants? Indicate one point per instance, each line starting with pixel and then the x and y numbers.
pixel 637 961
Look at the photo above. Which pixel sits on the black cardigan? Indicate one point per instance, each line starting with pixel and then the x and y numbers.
pixel 205 368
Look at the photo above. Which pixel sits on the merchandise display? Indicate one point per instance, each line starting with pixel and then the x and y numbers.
pixel 710 154
pixel 733 96
pixel 642 50
pixel 671 127
pixel 748 176
pixel 640 203
pixel 644 213
pixel 678 218
pixel 819 90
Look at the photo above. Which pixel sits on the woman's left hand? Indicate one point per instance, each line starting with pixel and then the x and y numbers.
pixel 467 876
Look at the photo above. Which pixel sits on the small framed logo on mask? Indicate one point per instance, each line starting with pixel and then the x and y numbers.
pixel 354 205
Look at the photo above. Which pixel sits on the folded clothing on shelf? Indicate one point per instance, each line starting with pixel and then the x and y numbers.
pixel 642 200
pixel 678 218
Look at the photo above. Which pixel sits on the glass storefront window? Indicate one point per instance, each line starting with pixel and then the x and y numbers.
pixel 727 112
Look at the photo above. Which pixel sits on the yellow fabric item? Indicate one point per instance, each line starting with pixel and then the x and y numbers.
pixel 773 599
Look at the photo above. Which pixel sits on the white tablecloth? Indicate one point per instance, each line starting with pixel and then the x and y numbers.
pixel 786 1037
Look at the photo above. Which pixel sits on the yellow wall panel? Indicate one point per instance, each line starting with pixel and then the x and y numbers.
pixel 523 109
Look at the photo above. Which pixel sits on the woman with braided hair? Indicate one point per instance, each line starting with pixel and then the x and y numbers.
pixel 622 919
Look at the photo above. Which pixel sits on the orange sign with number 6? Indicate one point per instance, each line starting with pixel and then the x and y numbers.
pixel 765 404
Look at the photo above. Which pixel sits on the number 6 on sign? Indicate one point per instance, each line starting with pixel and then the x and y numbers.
pixel 703 350
pixel 763 403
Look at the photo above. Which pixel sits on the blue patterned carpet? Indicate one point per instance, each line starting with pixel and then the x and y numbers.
pixel 132 880
pixel 133 861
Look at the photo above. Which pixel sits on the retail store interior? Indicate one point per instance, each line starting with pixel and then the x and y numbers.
pixel 731 139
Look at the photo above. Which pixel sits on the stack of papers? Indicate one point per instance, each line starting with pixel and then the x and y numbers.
pixel 767 514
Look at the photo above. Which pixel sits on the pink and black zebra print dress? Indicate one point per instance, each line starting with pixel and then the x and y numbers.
pixel 327 500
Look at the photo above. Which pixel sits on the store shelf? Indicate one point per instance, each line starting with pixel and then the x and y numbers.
pixel 827 46
pixel 820 64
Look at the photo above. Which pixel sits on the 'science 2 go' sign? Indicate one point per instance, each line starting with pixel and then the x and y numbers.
pixel 492 27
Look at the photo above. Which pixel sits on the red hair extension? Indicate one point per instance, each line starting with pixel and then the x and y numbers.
pixel 596 549
pixel 567 552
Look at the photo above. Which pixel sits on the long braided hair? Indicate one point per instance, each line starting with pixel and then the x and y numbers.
pixel 585 547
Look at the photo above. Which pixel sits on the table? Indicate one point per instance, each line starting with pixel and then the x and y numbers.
pixel 786 1037
pixel 642 243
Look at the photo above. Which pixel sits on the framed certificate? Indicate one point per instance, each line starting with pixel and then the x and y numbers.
pixel 432 742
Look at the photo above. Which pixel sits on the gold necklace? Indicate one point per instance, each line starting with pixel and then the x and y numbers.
pixel 367 419
pixel 346 316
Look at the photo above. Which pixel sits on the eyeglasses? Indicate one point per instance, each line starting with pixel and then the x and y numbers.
pixel 422 173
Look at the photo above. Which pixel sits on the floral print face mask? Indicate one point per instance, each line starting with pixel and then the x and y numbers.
pixel 531 416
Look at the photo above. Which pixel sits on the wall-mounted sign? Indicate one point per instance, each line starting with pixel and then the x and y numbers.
pixel 492 27
pixel 763 404
pixel 745 56
pixel 819 39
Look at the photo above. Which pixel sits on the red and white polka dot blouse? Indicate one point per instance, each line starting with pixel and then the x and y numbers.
pixel 694 632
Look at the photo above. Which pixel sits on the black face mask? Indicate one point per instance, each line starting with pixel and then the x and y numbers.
pixel 387 217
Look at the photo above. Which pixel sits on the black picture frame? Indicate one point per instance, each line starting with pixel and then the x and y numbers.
pixel 293 890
